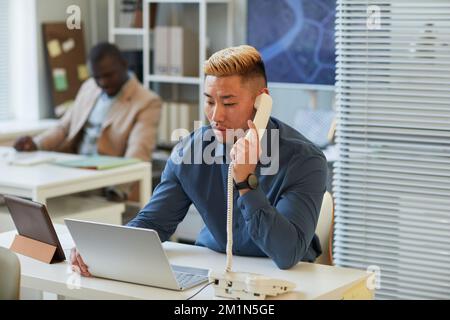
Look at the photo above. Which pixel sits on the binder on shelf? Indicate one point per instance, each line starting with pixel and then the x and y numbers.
pixel 174 119
pixel 163 130
pixel 161 60
pixel 184 60
pixel 186 116
pixel 183 116
pixel 195 116
pixel 176 51
pixel 176 115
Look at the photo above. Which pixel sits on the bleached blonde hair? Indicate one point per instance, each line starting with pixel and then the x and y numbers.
pixel 242 60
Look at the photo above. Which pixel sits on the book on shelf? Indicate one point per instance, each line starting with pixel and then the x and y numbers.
pixel 98 162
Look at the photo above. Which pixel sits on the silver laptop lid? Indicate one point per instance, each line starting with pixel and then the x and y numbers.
pixel 123 253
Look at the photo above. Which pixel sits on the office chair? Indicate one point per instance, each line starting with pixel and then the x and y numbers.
pixel 6 222
pixel 324 229
pixel 9 275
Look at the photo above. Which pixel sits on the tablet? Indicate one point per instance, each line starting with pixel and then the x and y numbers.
pixel 32 221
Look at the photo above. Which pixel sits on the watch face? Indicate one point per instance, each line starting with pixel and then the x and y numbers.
pixel 252 181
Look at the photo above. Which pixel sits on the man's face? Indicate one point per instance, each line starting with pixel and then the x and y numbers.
pixel 110 74
pixel 228 104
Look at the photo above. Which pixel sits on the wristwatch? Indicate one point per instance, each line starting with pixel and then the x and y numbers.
pixel 250 183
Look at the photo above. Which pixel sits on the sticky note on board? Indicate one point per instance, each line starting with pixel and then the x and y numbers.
pixel 68 45
pixel 54 48
pixel 83 72
pixel 60 79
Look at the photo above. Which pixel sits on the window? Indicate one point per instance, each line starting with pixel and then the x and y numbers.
pixel 5 109
pixel 19 99
pixel 392 182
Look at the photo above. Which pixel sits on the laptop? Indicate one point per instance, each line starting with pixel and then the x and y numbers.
pixel 130 254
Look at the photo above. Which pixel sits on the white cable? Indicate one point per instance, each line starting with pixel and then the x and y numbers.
pixel 229 248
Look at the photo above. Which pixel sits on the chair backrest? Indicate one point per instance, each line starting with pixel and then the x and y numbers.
pixel 9 275
pixel 6 222
pixel 325 228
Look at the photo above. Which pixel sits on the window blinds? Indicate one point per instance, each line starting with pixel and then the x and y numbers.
pixel 392 182
pixel 4 60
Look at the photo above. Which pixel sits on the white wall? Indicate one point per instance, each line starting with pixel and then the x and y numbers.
pixel 286 100
pixel 54 11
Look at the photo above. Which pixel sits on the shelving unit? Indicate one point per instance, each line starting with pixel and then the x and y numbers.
pixel 126 31
pixel 147 46
pixel 173 79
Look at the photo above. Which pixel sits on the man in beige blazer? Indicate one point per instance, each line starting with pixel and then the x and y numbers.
pixel 113 114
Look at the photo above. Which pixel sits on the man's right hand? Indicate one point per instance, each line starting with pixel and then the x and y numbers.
pixel 78 264
pixel 25 143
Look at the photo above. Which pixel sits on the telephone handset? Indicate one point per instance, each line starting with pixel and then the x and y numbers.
pixel 263 106
pixel 241 285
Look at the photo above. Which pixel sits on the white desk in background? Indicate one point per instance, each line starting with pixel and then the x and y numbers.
pixel 46 180
pixel 313 281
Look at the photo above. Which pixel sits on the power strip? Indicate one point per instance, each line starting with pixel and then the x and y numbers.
pixel 248 286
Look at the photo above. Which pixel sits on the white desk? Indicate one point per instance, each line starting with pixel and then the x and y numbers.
pixel 313 281
pixel 42 181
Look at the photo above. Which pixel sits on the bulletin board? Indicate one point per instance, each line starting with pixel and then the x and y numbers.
pixel 66 62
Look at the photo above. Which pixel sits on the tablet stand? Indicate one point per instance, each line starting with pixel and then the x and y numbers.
pixel 34 249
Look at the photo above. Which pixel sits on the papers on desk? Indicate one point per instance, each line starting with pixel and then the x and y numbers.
pixel 26 158
pixel 13 157
pixel 98 162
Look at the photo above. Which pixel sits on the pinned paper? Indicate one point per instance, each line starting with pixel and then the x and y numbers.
pixel 68 45
pixel 54 48
pixel 83 72
pixel 60 79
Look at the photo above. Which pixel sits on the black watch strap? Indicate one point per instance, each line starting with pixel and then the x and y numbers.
pixel 250 183
pixel 241 185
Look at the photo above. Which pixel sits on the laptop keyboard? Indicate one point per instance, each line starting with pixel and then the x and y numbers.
pixel 186 280
pixel 189 276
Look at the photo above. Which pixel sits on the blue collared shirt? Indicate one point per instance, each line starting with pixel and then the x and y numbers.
pixel 277 219
pixel 93 126
pixel 92 129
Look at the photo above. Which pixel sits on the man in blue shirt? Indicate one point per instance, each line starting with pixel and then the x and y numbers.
pixel 275 213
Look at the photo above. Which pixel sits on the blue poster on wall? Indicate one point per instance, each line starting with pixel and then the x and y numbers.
pixel 295 38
